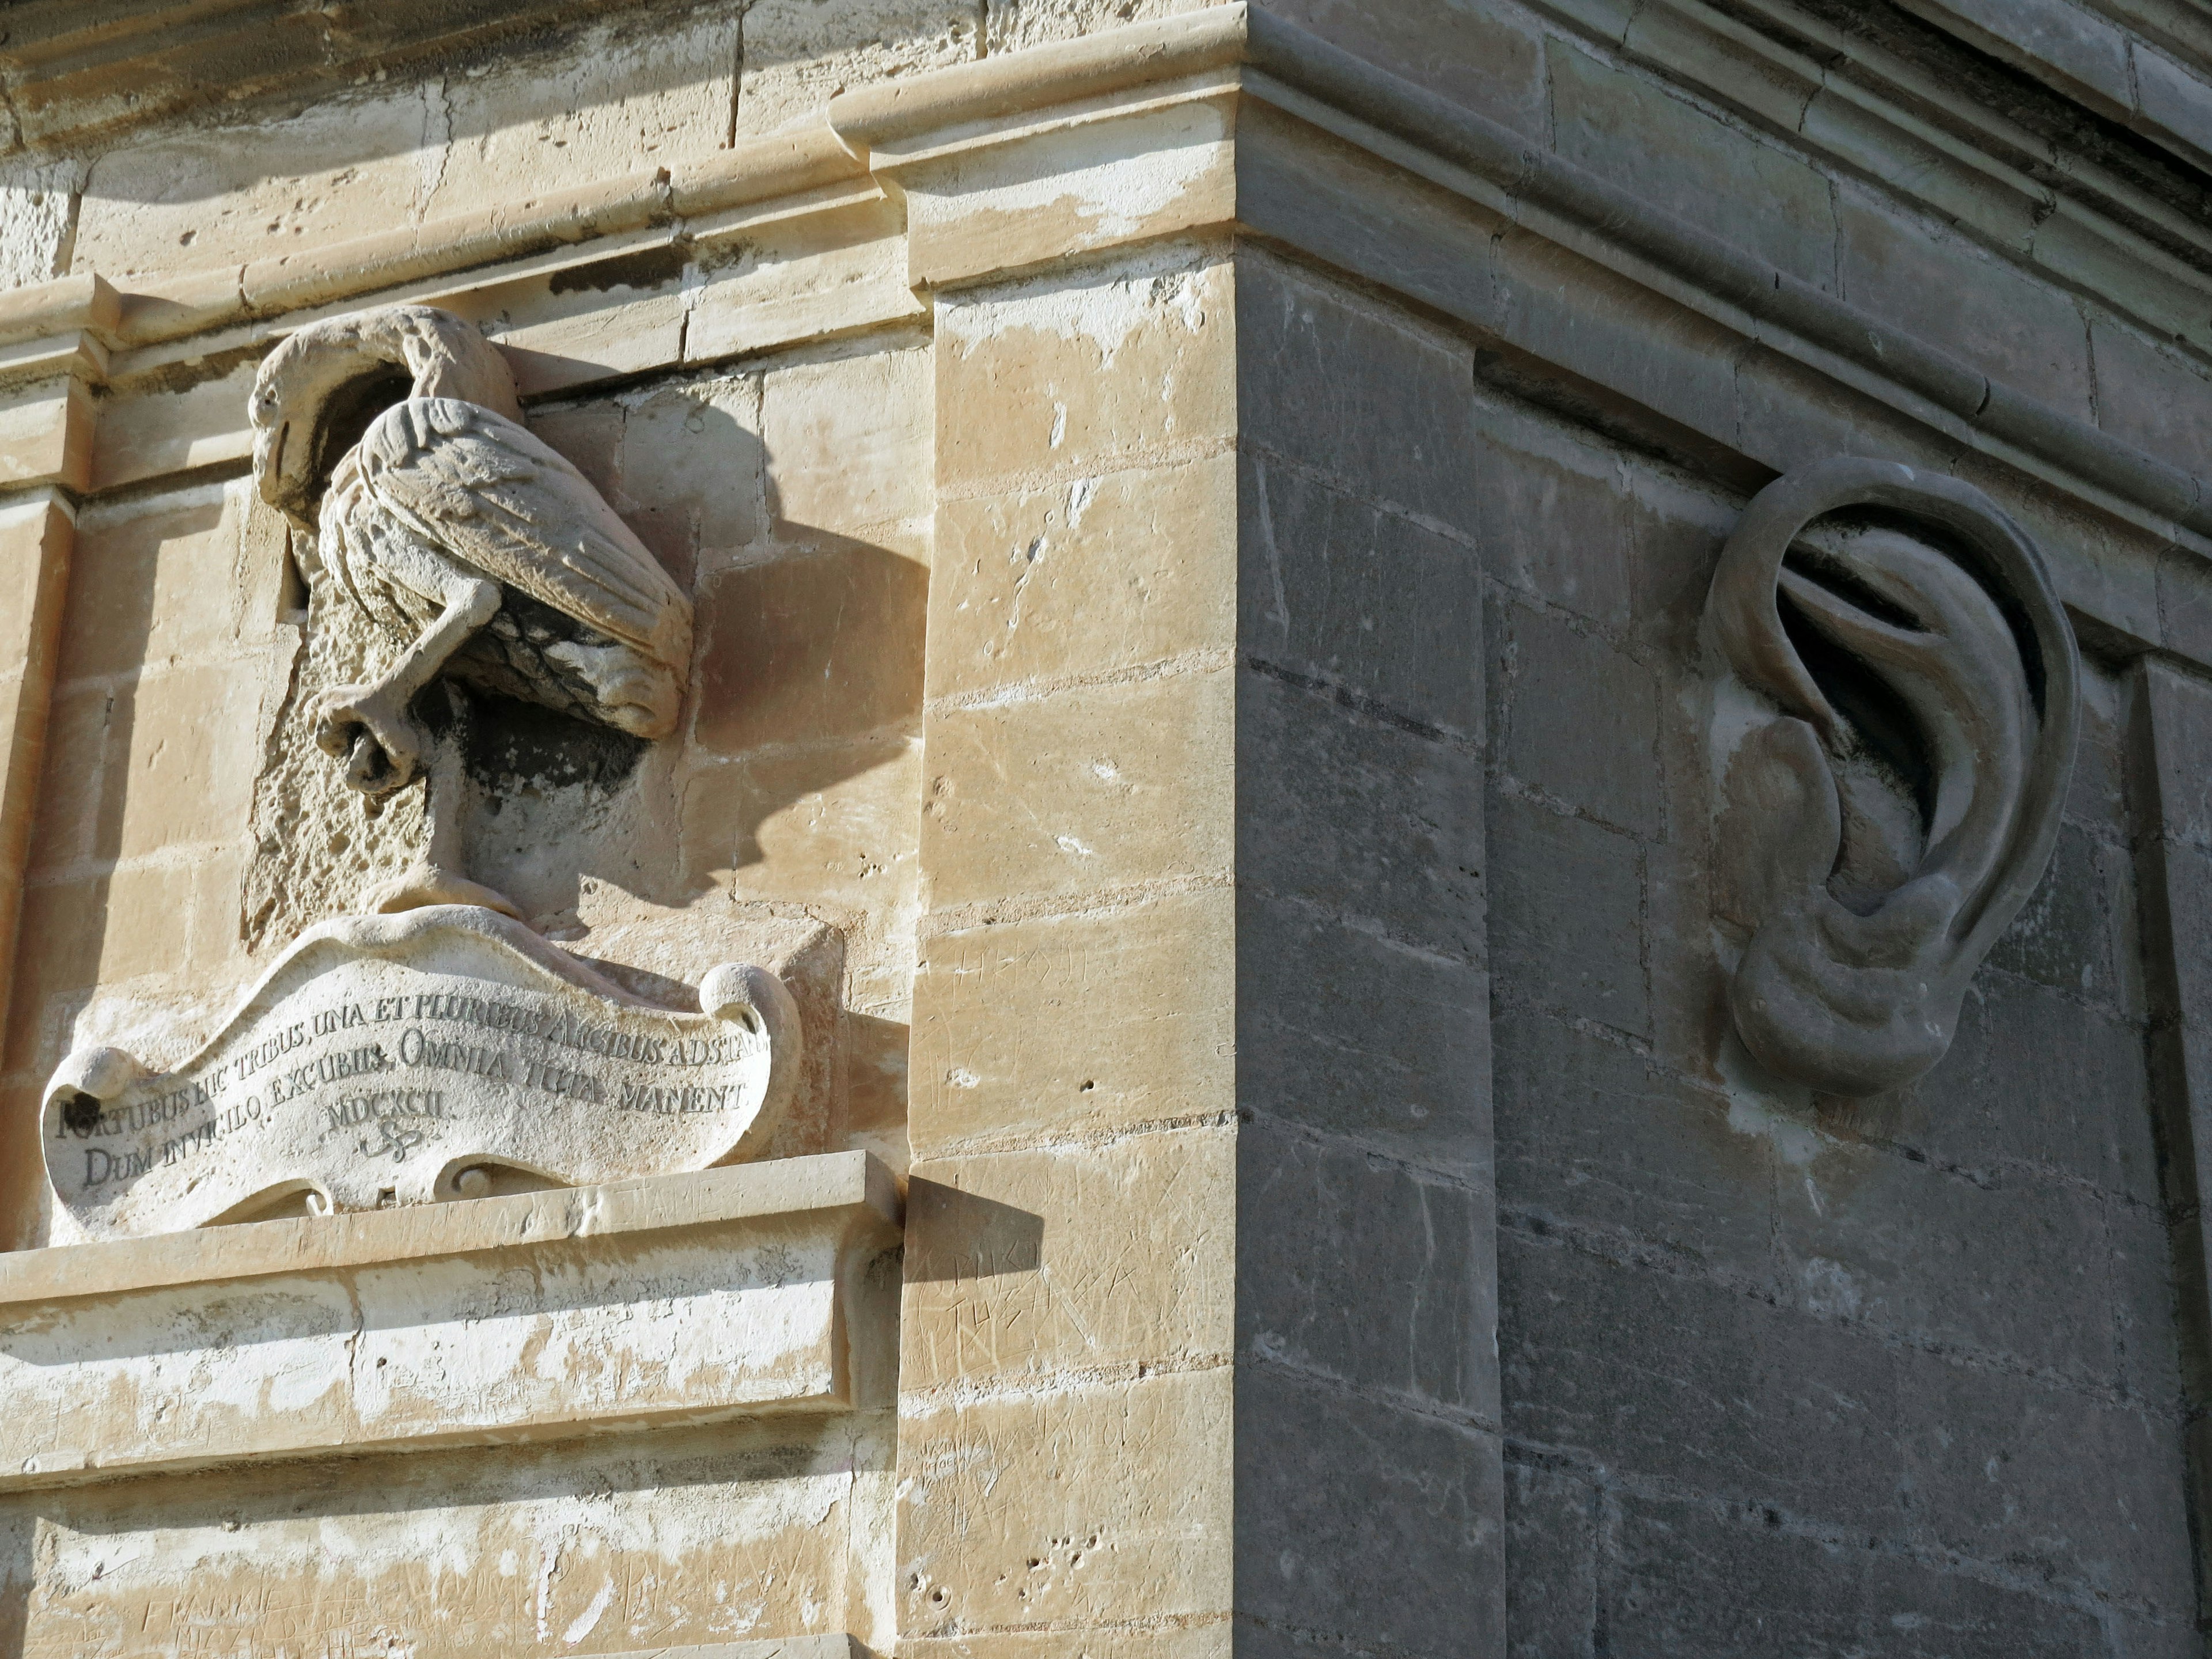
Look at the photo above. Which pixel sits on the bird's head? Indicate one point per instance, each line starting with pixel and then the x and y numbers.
pixel 318 391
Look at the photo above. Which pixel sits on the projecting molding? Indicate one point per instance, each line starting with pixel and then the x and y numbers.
pixel 1288 103
pixel 684 1298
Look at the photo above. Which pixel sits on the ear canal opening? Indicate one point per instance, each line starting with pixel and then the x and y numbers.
pixel 1883 725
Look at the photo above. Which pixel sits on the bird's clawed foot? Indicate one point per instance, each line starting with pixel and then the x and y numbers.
pixel 368 727
pixel 428 883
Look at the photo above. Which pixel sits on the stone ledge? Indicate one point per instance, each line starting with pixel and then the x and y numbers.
pixel 683 1299
pixel 782 1647
pixel 1225 54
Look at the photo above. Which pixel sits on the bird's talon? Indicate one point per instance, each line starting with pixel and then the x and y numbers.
pixel 379 744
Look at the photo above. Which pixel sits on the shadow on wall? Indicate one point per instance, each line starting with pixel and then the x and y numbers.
pixel 952 1235
pixel 807 671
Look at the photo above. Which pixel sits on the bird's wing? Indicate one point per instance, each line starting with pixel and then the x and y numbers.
pixel 480 487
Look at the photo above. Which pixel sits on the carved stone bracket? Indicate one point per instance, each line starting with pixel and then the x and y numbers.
pixel 1893 730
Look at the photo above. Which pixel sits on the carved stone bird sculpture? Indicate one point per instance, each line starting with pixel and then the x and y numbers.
pixel 392 438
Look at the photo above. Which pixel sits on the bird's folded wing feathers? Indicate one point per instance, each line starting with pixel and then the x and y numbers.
pixel 491 494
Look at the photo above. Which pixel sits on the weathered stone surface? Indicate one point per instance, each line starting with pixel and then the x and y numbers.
pixel 1012 1517
pixel 1083 578
pixel 1321 1221
pixel 1141 1022
pixel 1199 539
pixel 382 1332
pixel 1337 589
pixel 1055 795
pixel 1566 920
pixel 1799 1590
pixel 1364 1520
pixel 1360 1036
pixel 1108 1258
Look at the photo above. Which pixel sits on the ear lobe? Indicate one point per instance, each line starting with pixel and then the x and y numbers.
pixel 1884 821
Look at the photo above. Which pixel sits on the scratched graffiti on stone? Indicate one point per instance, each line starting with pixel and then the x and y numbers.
pixel 447 1052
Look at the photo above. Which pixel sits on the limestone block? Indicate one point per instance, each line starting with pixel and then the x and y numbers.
pixel 1064 191
pixel 1802 1410
pixel 1025 1263
pixel 47 434
pixel 634 1543
pixel 2155 398
pixel 1356 393
pixel 212 197
pixel 1581 721
pixel 1365 1519
pixel 1074 375
pixel 37 537
pixel 1352 1033
pixel 1789 1586
pixel 1640 136
pixel 1551 1592
pixel 563 328
pixel 1016 25
pixel 2074 246
pixel 2008 1468
pixel 1350 210
pixel 138 596
pixel 2083 52
pixel 1488 59
pixel 792 279
pixel 1083 578
pixel 690 479
pixel 847 439
pixel 685 1298
pixel 1561 522
pixel 1322 1226
pixel 2026 1274
pixel 1025 1510
pixel 799 52
pixel 629 93
pixel 378 156
pixel 1120 1016
pixel 829 825
pixel 1202 1638
pixel 178 765
pixel 2017 330
pixel 191 416
pixel 1066 793
pixel 1347 815
pixel 1604 1139
pixel 35 220
pixel 822 643
pixel 1561 909
pixel 1336 589
pixel 2174 102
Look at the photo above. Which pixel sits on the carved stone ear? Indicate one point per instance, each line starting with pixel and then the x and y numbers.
pixel 1893 728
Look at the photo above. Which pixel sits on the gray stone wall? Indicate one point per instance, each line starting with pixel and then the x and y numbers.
pixel 1777 1372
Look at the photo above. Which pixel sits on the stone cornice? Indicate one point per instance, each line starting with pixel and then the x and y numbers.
pixel 868 141
pixel 70 70
pixel 1868 111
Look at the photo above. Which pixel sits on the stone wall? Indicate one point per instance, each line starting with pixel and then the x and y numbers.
pixel 1201 525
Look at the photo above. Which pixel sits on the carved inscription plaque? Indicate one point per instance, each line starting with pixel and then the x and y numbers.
pixel 445 1052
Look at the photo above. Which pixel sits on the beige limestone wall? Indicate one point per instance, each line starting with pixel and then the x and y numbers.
pixel 1065 1380
pixel 946 448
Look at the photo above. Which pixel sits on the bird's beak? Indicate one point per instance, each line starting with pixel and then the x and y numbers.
pixel 282 488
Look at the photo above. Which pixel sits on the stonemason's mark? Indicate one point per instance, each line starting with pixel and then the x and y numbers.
pixel 393 1140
